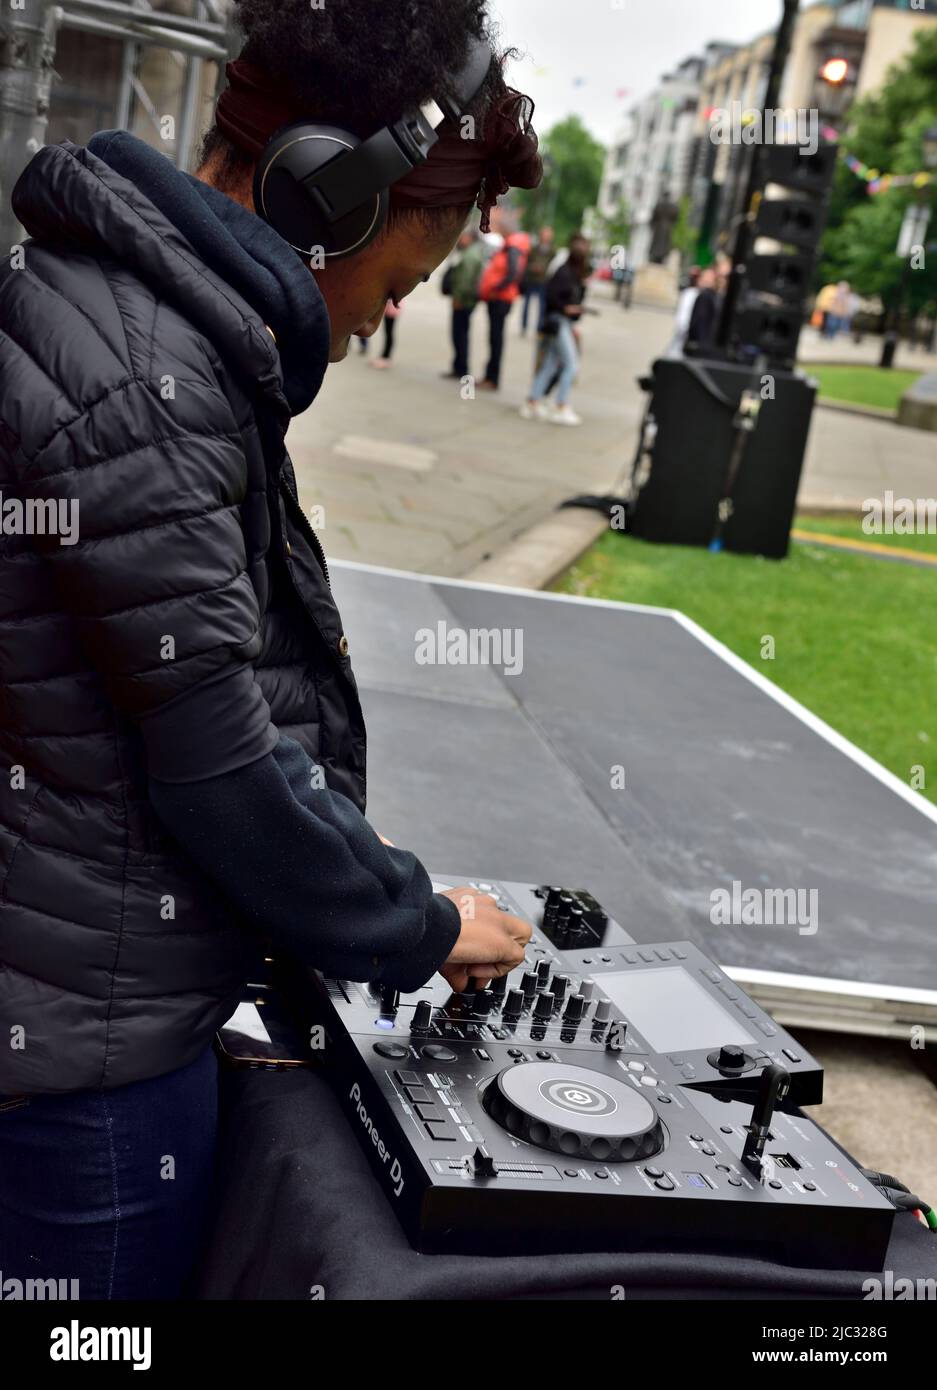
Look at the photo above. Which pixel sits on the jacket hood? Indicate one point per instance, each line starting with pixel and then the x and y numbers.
pixel 68 196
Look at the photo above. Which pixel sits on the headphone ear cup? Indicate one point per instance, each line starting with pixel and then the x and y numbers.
pixel 283 201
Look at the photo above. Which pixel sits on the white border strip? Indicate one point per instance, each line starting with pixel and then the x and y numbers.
pixel 812 721
pixel 899 994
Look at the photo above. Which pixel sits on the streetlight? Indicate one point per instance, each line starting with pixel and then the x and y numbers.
pixel 835 71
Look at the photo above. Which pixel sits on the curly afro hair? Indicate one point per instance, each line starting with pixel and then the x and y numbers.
pixel 359 64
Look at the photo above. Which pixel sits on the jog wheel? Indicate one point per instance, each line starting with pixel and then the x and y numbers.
pixel 574 1111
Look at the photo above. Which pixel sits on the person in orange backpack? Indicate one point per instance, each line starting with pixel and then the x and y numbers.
pixel 499 287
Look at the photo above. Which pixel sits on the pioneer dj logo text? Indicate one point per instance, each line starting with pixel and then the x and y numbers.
pixel 766 907
pixel 75 1343
pixel 474 646
pixel 395 1172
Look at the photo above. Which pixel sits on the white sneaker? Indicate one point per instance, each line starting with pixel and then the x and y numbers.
pixel 565 415
pixel 533 410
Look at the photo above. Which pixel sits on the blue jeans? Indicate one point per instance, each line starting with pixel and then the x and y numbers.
pixel 561 353
pixel 539 294
pixel 114 1188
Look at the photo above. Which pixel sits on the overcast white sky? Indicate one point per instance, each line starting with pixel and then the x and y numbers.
pixel 580 53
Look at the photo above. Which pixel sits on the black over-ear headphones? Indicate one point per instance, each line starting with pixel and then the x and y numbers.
pixel 324 189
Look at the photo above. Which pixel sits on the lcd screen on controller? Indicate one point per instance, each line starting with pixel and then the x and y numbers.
pixel 672 1011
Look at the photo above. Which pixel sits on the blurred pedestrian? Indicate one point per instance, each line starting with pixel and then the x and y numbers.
pixel 704 319
pixel 533 285
pixel 685 303
pixel 463 277
pixel 391 310
pixel 565 292
pixel 838 316
pixel 499 287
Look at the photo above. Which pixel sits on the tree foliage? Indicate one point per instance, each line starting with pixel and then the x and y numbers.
pixel 572 174
pixel 885 131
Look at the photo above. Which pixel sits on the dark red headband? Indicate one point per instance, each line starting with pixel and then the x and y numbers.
pixel 458 172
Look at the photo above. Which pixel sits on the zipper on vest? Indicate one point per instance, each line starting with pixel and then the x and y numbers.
pixel 309 533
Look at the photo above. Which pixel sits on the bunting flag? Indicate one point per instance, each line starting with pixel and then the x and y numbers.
pixel 877 182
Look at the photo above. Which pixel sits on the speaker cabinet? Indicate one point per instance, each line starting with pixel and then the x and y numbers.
pixel 683 480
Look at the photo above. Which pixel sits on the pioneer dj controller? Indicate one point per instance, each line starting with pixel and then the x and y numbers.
pixel 603 1095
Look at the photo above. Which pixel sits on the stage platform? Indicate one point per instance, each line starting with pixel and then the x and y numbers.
pixel 727 781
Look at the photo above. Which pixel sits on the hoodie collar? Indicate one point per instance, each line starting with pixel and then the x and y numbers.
pixel 226 269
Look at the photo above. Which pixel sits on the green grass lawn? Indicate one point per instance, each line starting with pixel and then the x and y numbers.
pixel 881 387
pixel 850 528
pixel 855 638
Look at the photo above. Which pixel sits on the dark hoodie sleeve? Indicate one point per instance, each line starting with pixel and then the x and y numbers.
pixel 303 864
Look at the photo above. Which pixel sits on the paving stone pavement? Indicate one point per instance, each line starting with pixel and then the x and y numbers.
pixel 410 475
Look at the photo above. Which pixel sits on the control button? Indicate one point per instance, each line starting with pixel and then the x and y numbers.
pixel 689 1072
pixel 678 1061
pixel 419 1095
pixel 725 1129
pixel 587 960
pixel 731 1058
pixel 499 1033
pixel 631 957
pixel 681 955
pixel 708 1149
pixel 735 1182
pixel 485 887
pixel 544 1055
pixel 428 1112
pixel 723 1168
pixel 586 988
pixel 664 1184
pixel 660 954
pixel 767 1029
pixel 601 1172
pixel 436 1129
pixel 481 1054
pixel 515 1052
pixel 791 1056
pixel 749 1013
pixel 647 956
pixel 571 1172
pixel 474 1134
pixel 697 1138
pixel 712 975
pixel 665 1100
pixel 606 960
pixel 438 1052
pixel 603 1011
pixel 810 1187
pixel 654 1172
pixel 774 1183
pixel 648 1080
pixel 543 973
pixel 391 1049
pixel 408 1078
pixel 636 1066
